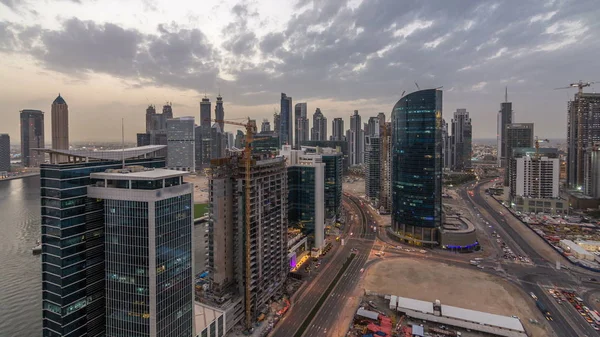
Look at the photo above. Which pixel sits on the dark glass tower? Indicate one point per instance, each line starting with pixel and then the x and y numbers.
pixel 417 167
pixel 285 128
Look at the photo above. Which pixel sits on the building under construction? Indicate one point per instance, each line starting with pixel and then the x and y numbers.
pixel 583 133
pixel 385 187
pixel 247 268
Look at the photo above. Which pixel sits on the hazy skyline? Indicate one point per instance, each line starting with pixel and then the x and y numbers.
pixel 110 59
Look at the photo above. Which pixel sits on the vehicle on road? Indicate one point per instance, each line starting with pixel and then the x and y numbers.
pixel 474 263
pixel 533 296
pixel 422 251
pixel 544 310
pixel 372 304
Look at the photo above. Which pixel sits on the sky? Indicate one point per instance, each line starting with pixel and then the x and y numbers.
pixel 109 59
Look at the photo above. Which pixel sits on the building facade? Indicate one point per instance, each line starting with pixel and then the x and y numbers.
pixel 417 167
pixel 220 112
pixel 265 126
pixel 148 224
pixel 505 117
pixel 285 125
pixel 355 138
pixel 337 130
pixel 301 128
pixel 4 152
pixel 156 128
pixel 461 140
pixel 517 135
pixel 32 137
pixel 60 124
pixel 319 129
pixel 583 134
pixel 181 144
pixel 373 168
pixel 385 192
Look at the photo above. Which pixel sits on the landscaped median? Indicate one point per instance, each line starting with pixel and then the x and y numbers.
pixel 323 297
pixel 199 210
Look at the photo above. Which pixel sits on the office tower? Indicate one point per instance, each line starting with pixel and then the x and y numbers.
pixel 240 283
pixel 60 124
pixel 168 110
pixel 229 140
pixel 583 134
pixel 286 122
pixel 4 152
pixel 340 147
pixel 220 112
pixel 73 268
pixel 205 118
pixel 198 147
pixel 505 117
pixel 372 128
pixel 239 139
pixel 373 167
pixel 517 135
pixel 32 137
pixel 381 118
pixel 276 122
pixel 385 191
pixel 417 167
pixel 301 127
pixel 306 194
pixel 147 221
pixel 337 129
pixel 461 140
pixel 156 128
pixel 267 142
pixel 319 129
pixel 150 112
pixel 217 142
pixel 355 138
pixel 446 146
pixel 180 141
pixel 265 126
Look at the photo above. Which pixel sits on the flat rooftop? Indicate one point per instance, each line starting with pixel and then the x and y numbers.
pixel 204 315
pixel 147 174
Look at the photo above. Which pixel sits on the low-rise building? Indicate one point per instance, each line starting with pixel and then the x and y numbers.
pixel 579 252
pixel 590 246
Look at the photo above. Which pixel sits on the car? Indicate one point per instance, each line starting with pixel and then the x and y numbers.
pixel 533 296
pixel 595 327
pixel 362 270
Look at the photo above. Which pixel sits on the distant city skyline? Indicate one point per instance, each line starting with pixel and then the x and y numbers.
pixel 473 49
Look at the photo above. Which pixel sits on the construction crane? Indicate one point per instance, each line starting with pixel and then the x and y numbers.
pixel 250 126
pixel 579 85
pixel 537 145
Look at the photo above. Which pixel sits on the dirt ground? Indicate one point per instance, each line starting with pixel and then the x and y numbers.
pixel 356 188
pixel 456 286
pixel 200 187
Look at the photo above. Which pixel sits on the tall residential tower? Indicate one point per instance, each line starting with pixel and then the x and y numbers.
pixel 285 127
pixel 505 116
pixel 32 137
pixel 60 124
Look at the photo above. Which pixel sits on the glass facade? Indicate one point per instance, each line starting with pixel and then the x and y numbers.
pixel 333 185
pixel 73 248
pixel 417 166
pixel 301 198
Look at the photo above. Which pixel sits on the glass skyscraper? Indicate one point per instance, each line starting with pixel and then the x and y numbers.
pixel 417 167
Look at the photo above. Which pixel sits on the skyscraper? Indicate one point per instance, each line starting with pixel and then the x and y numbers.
pixel 319 129
pixel 32 136
pixel 4 152
pixel 156 128
pixel 205 118
pixel 446 146
pixel 204 136
pixel 217 142
pixel 337 129
pixel 265 126
pixel 277 123
pixel 150 112
pixel 583 133
pixel 73 254
pixel 505 116
pixel 417 167
pixel 355 139
pixel 60 124
pixel 147 222
pixel 301 124
pixel 385 191
pixel 517 135
pixel 372 127
pixel 181 147
pixel 168 110
pixel 220 112
pixel 286 122
pixel 461 140
pixel 373 168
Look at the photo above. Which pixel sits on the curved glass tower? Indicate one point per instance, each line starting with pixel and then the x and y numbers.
pixel 417 167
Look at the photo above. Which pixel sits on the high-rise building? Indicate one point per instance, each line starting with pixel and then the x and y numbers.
pixel 277 123
pixel 197 147
pixel 319 129
pixel 73 254
pixel 461 140
pixel 286 121
pixel 583 134
pixel 385 191
pixel 355 138
pixel 239 139
pixel 591 182
pixel 217 142
pixel 147 225
pixel 417 167
pixel 205 118
pixel 246 268
pixel 446 146
pixel 306 193
pixel 180 140
pixel 301 127
pixel 373 167
pixel 156 128
pixel 381 118
pixel 4 152
pixel 60 124
pixel 32 137
pixel 340 147
pixel 168 110
pixel 505 117
pixel 150 112
pixel 372 128
pixel 265 126
pixel 220 112
pixel 516 135
pixel 230 140
pixel 337 129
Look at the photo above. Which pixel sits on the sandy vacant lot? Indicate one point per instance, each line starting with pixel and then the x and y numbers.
pixel 200 187
pixel 457 286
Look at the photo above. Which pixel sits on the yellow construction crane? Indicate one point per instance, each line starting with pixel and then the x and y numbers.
pixel 250 126
pixel 537 145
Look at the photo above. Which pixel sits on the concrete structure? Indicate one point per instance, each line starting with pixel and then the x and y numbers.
pixel 148 253
pixel 60 124
pixel 372 128
pixel 202 136
pixel 319 129
pixel 209 321
pixel 217 141
pixel 306 194
pixel 505 117
pixel 492 324
pixel 337 130
pixel 576 250
pixel 220 112
pixel 355 138
pixel 276 122
pixel 339 146
pixel 73 237
pixel 591 172
pixel 458 234
pixel 516 136
pixel 265 126
pixel 156 128
pixel 417 167
pixel 285 128
pixel 583 133
pixel 267 144
pixel 461 141
pixel 32 136
pixel 446 146
pixel 301 128
pixel 181 144
pixel 4 152
pixel 537 205
pixel 227 259
pixel 590 246
pixel 373 167
pixel 385 159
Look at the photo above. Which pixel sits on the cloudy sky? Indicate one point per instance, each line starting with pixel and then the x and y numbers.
pixel 110 58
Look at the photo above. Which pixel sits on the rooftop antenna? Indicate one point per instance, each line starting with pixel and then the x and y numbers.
pixel 403 93
pixel 123 142
pixel 506 94
pixel 417 86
